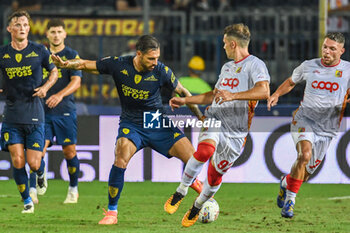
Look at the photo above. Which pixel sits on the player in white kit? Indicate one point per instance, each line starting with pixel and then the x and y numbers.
pixel 318 117
pixel 241 83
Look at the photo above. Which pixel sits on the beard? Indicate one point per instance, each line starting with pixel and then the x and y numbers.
pixel 145 67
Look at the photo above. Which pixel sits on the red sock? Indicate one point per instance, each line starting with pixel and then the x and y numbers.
pixel 214 177
pixel 293 184
pixel 204 151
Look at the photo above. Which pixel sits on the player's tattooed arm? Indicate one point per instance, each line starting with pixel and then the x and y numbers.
pixel 183 92
pixel 76 64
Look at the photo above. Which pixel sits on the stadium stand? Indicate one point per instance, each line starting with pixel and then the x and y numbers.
pixel 284 34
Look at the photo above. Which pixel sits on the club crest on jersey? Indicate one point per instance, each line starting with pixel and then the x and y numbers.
pixel 338 73
pixel 18 57
pixel 137 78
pixel 239 69
pixel 301 130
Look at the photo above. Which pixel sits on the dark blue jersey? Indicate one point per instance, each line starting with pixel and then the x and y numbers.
pixel 138 92
pixel 22 73
pixel 67 105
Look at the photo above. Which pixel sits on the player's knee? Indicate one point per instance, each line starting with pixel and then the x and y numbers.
pixel 121 161
pixel 304 157
pixel 214 177
pixel 18 162
pixel 204 151
pixel 34 165
pixel 69 154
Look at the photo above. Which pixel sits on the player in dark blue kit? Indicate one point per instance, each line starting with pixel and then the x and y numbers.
pixel 60 111
pixel 22 132
pixel 138 80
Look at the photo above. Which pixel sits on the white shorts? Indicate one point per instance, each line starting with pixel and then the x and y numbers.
pixel 302 131
pixel 227 150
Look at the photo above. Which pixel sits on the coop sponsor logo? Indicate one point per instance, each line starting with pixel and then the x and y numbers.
pixel 329 86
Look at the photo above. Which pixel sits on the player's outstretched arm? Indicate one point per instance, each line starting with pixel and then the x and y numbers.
pixel 183 92
pixel 260 91
pixel 42 90
pixel 75 64
pixel 283 89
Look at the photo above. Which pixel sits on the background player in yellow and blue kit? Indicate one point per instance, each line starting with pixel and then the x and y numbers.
pixel 138 80
pixel 22 62
pixel 60 110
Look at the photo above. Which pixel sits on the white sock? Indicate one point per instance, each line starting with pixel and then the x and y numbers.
pixel 284 182
pixel 73 189
pixel 31 189
pixel 290 196
pixel 182 189
pixel 192 169
pixel 207 192
pixel 113 210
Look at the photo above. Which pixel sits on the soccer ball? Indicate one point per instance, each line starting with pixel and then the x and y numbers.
pixel 209 212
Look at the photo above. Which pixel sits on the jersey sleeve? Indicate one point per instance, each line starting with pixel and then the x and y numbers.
pixel 79 73
pixel 168 78
pixel 47 62
pixel 106 65
pixel 223 68
pixel 259 72
pixel 298 74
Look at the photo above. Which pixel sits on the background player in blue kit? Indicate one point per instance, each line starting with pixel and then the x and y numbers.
pixel 138 80
pixel 60 111
pixel 22 62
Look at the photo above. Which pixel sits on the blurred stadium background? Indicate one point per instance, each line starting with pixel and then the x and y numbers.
pixel 284 33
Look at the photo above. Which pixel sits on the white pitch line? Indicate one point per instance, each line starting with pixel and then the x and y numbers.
pixel 339 198
pixel 5 196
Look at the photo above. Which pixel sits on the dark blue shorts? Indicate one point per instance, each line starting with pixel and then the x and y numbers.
pixel 30 135
pixel 64 127
pixel 161 139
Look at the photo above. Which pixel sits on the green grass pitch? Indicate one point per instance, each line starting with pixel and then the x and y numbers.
pixel 243 208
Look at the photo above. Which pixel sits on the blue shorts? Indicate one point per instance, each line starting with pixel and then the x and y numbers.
pixel 160 140
pixel 30 135
pixel 64 127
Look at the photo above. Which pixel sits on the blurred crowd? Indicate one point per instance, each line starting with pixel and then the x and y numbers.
pixel 136 5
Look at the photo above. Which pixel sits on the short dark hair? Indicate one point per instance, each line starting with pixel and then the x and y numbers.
pixel 240 32
pixel 336 36
pixel 18 14
pixel 55 23
pixel 147 42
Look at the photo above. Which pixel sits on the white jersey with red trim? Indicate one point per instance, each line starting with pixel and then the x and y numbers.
pixel 235 77
pixel 325 94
